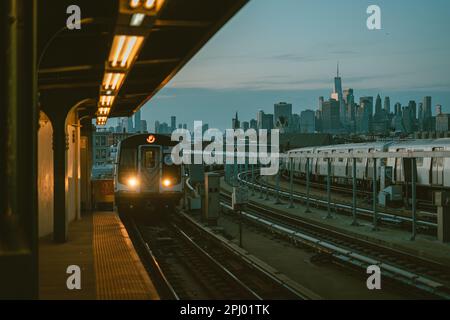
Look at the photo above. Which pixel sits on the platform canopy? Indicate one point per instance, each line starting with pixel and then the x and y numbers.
pixel 163 41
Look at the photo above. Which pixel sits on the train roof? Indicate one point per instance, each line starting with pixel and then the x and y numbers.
pixel 423 143
pixel 445 142
pixel 364 145
pixel 148 139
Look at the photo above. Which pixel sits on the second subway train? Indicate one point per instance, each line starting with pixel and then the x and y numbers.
pixel 433 173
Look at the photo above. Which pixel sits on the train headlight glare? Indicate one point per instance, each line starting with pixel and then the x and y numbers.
pixel 133 182
pixel 167 183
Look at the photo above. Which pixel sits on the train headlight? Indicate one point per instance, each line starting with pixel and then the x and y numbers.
pixel 167 182
pixel 132 182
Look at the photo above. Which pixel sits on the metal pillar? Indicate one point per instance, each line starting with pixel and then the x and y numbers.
pixel 374 196
pixel 307 186
pixel 291 183
pixel 18 150
pixel 355 218
pixel 413 195
pixel 329 216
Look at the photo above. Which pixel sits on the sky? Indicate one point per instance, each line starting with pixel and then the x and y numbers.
pixel 287 50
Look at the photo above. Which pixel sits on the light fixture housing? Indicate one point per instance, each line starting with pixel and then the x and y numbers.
pixel 112 81
pixel 124 50
pixel 137 19
pixel 101 121
pixel 106 100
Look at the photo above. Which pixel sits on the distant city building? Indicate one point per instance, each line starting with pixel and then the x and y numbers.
pixel 137 121
pixel 245 125
pixel 442 122
pixel 294 127
pixel 235 122
pixel 321 101
pixel 173 122
pixel 387 105
pixel 438 109
pixel 283 116
pixel 427 116
pixel 349 102
pixel 130 127
pixel 408 118
pixel 398 108
pixel 254 124
pixel 144 126
pixel 308 121
pixel 338 96
pixel 330 117
pixel 364 121
pixel 265 121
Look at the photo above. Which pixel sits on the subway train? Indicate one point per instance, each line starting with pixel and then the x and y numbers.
pixel 145 179
pixel 433 173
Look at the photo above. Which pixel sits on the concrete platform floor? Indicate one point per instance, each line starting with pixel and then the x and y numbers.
pixel 110 267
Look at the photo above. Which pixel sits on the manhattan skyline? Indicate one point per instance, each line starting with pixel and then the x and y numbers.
pixel 255 62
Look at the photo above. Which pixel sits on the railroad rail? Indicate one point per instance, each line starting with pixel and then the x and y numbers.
pixel 420 273
pixel 191 262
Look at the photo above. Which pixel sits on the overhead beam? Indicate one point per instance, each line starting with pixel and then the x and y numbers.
pixel 182 23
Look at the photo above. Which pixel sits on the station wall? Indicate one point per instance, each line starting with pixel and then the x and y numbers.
pixel 45 175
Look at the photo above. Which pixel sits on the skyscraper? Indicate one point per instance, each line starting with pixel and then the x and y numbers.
pixel 235 122
pixel 378 108
pixel 427 114
pixel 130 128
pixel 173 122
pixel 366 106
pixel 308 121
pixel 245 125
pixel 330 117
pixel 144 126
pixel 283 116
pixel 137 121
pixel 338 95
pixel 321 101
pixel 420 116
pixel 387 105
pixel 264 121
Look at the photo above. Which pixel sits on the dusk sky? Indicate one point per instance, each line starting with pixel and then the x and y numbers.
pixel 287 50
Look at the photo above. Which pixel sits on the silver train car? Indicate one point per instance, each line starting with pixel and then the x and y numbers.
pixel 145 179
pixel 433 173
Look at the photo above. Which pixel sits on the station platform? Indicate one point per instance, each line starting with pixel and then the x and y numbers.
pixel 425 246
pixel 110 267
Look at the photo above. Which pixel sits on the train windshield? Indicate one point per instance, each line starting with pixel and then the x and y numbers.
pixel 148 158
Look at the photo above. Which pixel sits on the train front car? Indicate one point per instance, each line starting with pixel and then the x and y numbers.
pixel 146 182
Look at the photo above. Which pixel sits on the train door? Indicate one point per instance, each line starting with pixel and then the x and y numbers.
pixel 437 169
pixel 149 168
